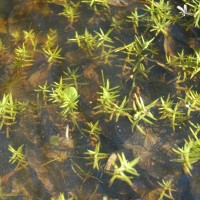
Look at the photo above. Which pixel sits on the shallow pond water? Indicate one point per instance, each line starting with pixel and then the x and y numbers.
pixel 87 49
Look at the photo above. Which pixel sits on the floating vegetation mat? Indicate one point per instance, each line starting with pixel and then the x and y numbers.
pixel 99 99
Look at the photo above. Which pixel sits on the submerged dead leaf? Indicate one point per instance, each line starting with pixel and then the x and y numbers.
pixel 110 162
pixel 47 174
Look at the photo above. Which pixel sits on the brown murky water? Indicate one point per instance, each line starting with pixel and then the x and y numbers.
pixel 57 165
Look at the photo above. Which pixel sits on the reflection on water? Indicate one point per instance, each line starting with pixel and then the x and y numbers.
pixel 39 46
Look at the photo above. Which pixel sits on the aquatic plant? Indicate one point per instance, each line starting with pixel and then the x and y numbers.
pixel 188 154
pixel 9 109
pixel 141 112
pixel 109 104
pixel 64 93
pixel 94 131
pixel 166 189
pixel 125 171
pixel 71 11
pixel 195 129
pixel 195 10
pixel 45 90
pixel 81 172
pixel 192 101
pixel 30 38
pixel 23 57
pixel 87 42
pixel 104 3
pixel 134 18
pixel 117 23
pixel 95 156
pixel 105 46
pixel 136 53
pixel 186 66
pixel 67 98
pixel 93 128
pixel 172 111
pixel 16 35
pixel 54 140
pixel 53 55
pixel 160 16
pixel 60 197
pixel 51 39
pixel 72 76
pixel 18 157
pixel 98 42
pixel 103 38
